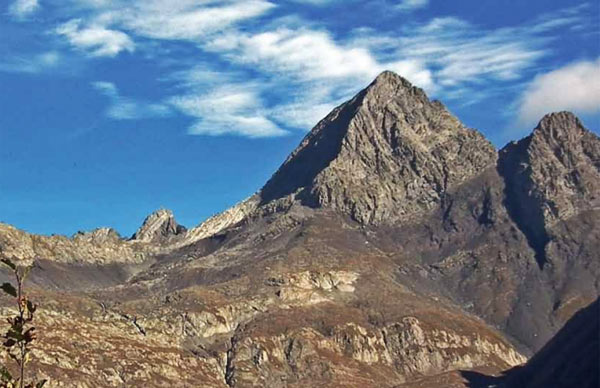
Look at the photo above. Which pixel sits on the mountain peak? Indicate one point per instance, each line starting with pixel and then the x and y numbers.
pixel 560 128
pixel 386 155
pixel 552 175
pixel 562 136
pixel 558 118
pixel 391 86
pixel 389 78
pixel 158 226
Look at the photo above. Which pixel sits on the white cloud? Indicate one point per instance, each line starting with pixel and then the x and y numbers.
pixel 228 109
pixel 460 52
pixel 410 5
pixel 575 87
pixel 107 88
pixel 317 71
pixel 31 63
pixel 173 20
pixel 186 20
pixel 311 55
pixel 98 40
pixel 123 108
pixel 293 71
pixel 21 9
pixel 307 54
pixel 465 59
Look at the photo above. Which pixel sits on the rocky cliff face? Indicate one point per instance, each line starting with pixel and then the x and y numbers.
pixel 552 175
pixel 393 248
pixel 221 221
pixel 101 246
pixel 388 155
pixel 159 226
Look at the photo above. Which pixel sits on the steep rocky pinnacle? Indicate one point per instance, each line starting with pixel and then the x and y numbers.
pixel 385 156
pixel 158 227
pixel 551 175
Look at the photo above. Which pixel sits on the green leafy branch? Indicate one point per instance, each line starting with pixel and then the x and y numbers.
pixel 20 335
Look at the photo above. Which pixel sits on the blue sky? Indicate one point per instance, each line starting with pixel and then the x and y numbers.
pixel 111 109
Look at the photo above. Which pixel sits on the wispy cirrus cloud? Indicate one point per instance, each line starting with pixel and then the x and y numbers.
pixel 21 9
pixel 228 109
pixel 574 87
pixel 168 20
pixel 467 61
pixel 124 108
pixel 411 5
pixel 310 68
pixel 184 20
pixel 290 72
pixel 32 63
pixel 308 55
pixel 96 40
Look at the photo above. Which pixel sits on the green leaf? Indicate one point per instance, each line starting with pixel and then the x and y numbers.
pixel 15 333
pixel 9 263
pixel 9 289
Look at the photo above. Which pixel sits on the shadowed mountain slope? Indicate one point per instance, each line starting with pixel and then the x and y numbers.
pixel 571 359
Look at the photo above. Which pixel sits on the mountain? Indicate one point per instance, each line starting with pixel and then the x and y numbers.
pixel 393 248
pixel 386 156
pixel 552 175
pixel 571 359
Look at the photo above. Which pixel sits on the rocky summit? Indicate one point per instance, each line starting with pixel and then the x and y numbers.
pixel 386 156
pixel 394 247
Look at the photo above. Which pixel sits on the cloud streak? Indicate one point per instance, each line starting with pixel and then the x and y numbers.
pixel 411 5
pixel 183 20
pixel 32 64
pixel 21 9
pixel 123 108
pixel 286 72
pixel 228 109
pixel 98 41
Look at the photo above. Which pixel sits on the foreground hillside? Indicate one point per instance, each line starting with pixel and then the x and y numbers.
pixel 393 248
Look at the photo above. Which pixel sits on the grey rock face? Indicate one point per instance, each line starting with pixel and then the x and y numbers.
pixel 158 226
pixel 98 236
pixel 552 175
pixel 387 155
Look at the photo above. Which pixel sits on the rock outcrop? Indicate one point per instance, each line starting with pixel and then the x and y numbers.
pixel 102 246
pixel 159 227
pixel 221 221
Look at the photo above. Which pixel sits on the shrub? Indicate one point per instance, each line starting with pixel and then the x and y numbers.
pixel 20 335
